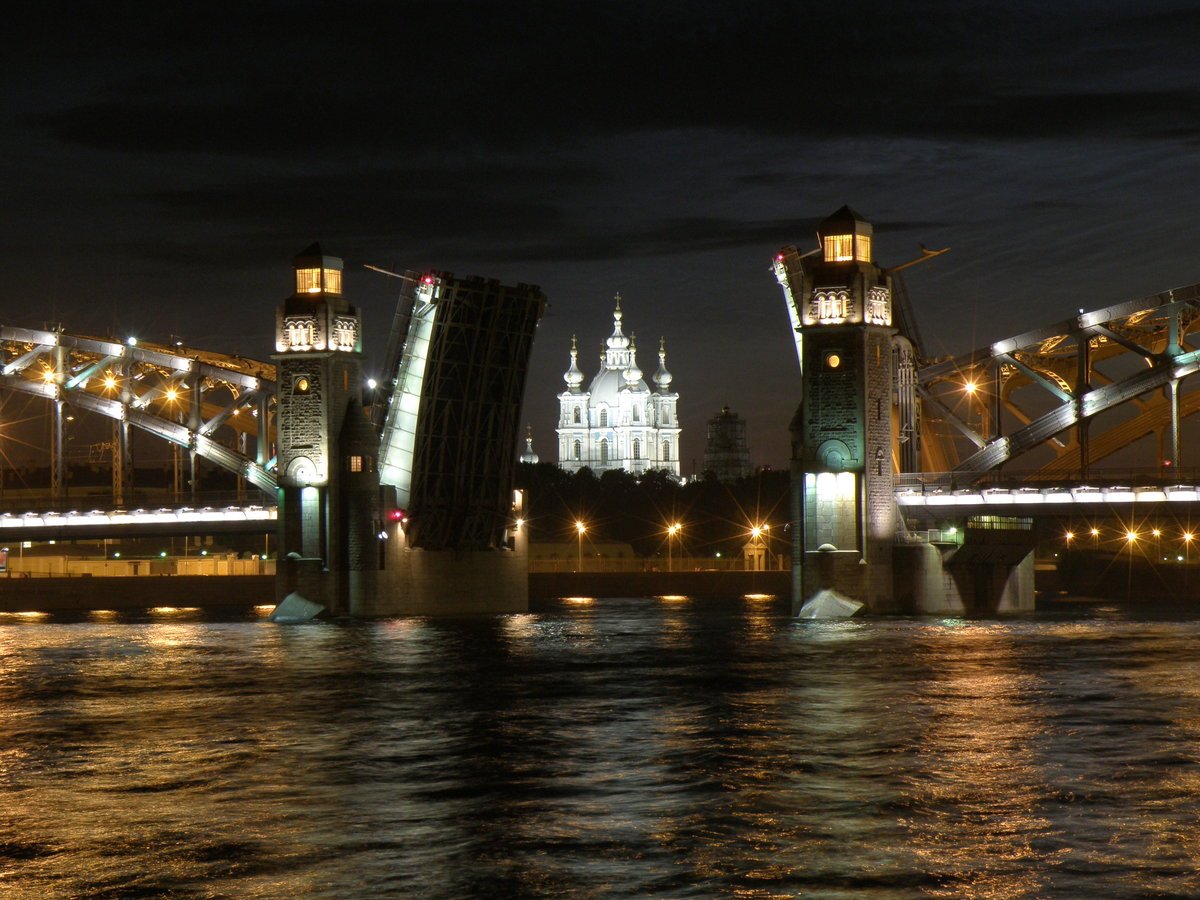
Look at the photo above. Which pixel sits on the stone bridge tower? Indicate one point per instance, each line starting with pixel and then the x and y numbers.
pixel 327 450
pixel 843 507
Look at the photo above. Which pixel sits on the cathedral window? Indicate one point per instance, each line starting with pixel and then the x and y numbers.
pixel 666 451
pixel 637 449
pixel 575 418
pixel 635 415
pixel 604 418
pixel 666 416
pixel 603 452
pixel 578 448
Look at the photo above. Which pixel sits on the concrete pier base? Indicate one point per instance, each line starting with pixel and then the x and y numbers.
pixel 933 579
pixel 447 582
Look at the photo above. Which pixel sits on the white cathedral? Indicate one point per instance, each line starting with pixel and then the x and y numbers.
pixel 618 422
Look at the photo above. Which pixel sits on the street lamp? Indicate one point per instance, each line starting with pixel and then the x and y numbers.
pixel 672 530
pixel 580 528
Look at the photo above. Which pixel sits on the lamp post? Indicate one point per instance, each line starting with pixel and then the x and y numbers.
pixel 580 528
pixel 672 530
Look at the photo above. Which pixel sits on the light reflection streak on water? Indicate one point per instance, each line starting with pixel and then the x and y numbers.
pixel 975 812
pixel 624 748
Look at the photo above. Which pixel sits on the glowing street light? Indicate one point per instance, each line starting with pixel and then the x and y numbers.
pixel 672 531
pixel 580 528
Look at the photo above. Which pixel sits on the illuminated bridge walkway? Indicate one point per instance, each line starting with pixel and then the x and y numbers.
pixel 67 523
pixel 930 496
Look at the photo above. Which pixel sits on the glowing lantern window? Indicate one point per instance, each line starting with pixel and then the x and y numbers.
pixel 314 281
pixel 847 247
pixel 308 281
pixel 839 248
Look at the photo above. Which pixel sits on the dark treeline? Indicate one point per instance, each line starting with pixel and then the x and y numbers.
pixel 617 506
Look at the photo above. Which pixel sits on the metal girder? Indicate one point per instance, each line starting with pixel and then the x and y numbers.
pixel 66 368
pixel 1083 323
pixel 1062 360
pixel 1062 417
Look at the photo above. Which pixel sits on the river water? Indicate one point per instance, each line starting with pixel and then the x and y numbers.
pixel 612 748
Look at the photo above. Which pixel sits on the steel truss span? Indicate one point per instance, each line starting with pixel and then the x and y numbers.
pixel 220 408
pixel 1052 382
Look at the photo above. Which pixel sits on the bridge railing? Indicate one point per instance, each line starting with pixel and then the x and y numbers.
pixel 925 482
pixel 147 500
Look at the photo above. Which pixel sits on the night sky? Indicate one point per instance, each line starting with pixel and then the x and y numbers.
pixel 161 164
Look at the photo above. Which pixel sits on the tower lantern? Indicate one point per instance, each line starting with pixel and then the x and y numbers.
pixel 317 273
pixel 846 237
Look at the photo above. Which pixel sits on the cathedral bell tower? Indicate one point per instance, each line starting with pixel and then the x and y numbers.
pixel 327 512
pixel 843 506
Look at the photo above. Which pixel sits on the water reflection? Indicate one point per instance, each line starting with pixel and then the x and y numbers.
pixel 623 747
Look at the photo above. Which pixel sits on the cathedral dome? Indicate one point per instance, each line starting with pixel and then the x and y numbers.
pixel 606 386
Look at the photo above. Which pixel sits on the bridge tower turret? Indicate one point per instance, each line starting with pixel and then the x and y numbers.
pixel 843 507
pixel 327 461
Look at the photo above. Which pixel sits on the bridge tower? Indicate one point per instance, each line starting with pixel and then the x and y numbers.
pixel 327 450
pixel 843 506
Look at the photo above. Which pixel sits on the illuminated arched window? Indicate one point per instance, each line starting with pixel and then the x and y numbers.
pixel 576 418
pixel 636 414
pixel 604 418
pixel 604 452
pixel 666 451
pixel 577 449
pixel 637 448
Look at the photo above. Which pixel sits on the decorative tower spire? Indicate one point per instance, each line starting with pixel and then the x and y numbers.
pixel 632 373
pixel 529 456
pixel 663 378
pixel 616 355
pixel 573 377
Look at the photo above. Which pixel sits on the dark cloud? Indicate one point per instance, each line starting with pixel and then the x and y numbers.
pixel 408 77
